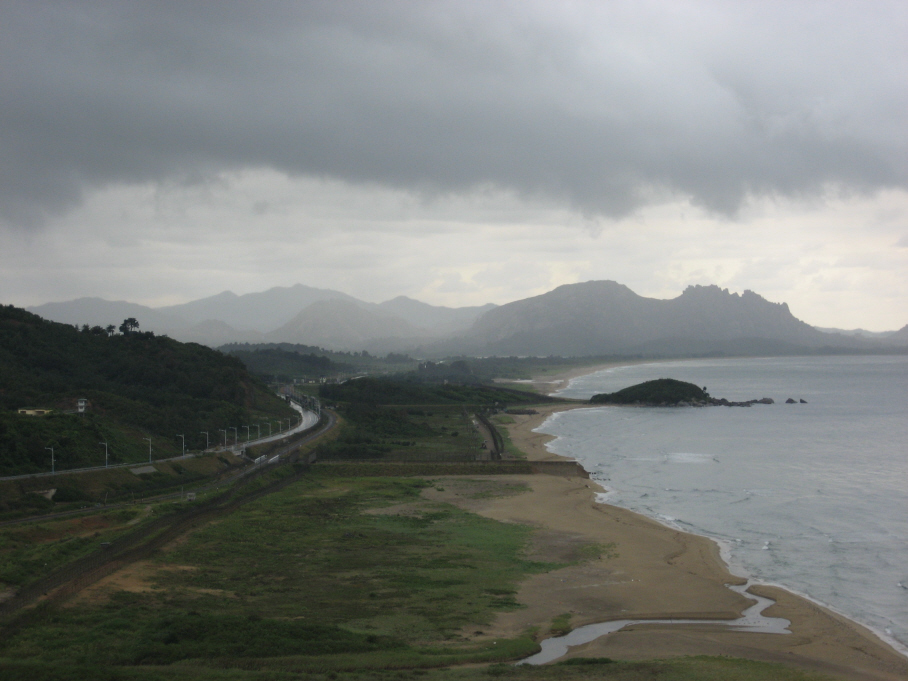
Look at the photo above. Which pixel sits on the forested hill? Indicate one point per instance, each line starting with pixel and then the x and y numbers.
pixel 139 385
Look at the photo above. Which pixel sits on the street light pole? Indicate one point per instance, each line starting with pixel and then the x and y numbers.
pixel 184 443
pixel 247 433
pixel 259 428
pixel 269 428
pixel 223 430
pixel 205 433
pixel 51 460
pixel 105 453
pixel 149 448
pixel 234 435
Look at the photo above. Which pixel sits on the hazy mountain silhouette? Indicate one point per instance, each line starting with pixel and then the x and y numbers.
pixel 345 325
pixel 439 320
pixel 592 318
pixel 228 317
pixel 263 311
pixel 100 312
pixel 604 317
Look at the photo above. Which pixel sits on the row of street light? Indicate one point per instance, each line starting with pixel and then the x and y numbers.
pixel 258 426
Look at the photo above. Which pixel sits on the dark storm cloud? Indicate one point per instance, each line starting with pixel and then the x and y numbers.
pixel 606 106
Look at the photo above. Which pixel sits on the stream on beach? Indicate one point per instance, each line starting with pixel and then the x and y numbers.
pixel 812 496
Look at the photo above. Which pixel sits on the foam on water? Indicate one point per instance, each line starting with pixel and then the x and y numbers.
pixel 810 496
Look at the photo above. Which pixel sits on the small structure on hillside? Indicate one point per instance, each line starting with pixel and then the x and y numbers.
pixel 35 412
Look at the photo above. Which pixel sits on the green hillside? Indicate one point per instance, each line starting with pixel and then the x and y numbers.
pixel 400 390
pixel 284 365
pixel 138 385
pixel 662 391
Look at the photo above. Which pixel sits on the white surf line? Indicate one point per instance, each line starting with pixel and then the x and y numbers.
pixel 752 619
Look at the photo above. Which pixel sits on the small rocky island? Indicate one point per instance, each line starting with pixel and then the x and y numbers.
pixel 669 392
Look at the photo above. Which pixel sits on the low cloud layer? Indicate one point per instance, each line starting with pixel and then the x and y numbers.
pixel 603 108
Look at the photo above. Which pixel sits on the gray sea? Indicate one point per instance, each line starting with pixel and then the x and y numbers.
pixel 813 497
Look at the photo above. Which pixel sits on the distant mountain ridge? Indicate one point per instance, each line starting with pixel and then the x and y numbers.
pixel 329 318
pixel 345 325
pixel 261 312
pixel 605 317
pixel 590 318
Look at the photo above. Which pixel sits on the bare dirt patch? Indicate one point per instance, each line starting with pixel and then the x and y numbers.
pixel 139 577
pixel 135 578
pixel 144 514
pixel 409 510
pixel 472 494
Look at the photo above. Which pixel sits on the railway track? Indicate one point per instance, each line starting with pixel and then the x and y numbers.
pixel 143 542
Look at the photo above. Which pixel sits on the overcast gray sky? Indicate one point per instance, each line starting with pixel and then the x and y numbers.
pixel 457 152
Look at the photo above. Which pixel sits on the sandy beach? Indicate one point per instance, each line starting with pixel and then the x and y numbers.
pixel 649 571
pixel 548 385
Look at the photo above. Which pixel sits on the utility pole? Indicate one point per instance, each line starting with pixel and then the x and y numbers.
pixel 184 443
pixel 105 453
pixel 51 460
pixel 205 433
pixel 149 448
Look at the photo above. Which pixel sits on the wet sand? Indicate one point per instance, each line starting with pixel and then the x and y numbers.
pixel 658 573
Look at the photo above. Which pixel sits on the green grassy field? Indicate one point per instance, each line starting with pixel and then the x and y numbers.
pixel 19 498
pixel 305 574
pixel 331 577
pixel 348 572
pixel 510 450
pixel 420 433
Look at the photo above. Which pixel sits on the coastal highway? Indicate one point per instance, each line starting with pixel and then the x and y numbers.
pixel 309 418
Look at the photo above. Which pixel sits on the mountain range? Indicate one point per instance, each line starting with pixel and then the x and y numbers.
pixel 590 318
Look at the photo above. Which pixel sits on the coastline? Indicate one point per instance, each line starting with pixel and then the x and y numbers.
pixel 549 385
pixel 660 573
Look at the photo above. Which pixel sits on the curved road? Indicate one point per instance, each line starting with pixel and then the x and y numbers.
pixel 309 420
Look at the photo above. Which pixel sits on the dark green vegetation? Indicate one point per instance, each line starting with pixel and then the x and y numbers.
pixel 591 669
pixel 285 361
pixel 138 385
pixel 343 570
pixel 328 578
pixel 662 391
pixel 21 497
pixel 402 418
pixel 320 568
pixel 28 552
pixel 276 364
pixel 403 433
pixel 405 392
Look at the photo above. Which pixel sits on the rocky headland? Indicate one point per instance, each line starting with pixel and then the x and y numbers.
pixel 670 392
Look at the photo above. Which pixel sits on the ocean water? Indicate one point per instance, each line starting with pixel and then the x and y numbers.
pixel 812 496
